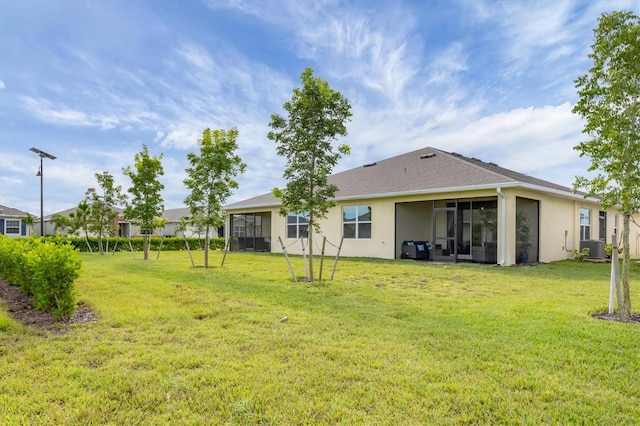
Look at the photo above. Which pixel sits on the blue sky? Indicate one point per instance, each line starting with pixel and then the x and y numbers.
pixel 91 81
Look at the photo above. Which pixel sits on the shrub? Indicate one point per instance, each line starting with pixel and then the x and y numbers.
pixel 580 255
pixel 608 251
pixel 45 269
pixel 54 268
pixel 122 244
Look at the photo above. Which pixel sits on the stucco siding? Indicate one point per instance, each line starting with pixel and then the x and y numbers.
pixel 559 228
pixel 634 231
pixel 400 218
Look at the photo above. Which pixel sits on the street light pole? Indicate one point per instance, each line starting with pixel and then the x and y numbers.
pixel 42 155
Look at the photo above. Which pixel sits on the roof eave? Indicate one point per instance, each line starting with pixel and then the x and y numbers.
pixel 493 186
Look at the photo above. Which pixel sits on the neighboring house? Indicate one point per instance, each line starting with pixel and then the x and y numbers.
pixel 124 227
pixel 12 222
pixel 457 208
pixel 174 216
pixel 127 229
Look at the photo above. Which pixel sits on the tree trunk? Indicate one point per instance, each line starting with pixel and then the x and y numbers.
pixel 100 248
pixel 86 238
pixel 310 240
pixel 145 243
pixel 625 309
pixel 206 247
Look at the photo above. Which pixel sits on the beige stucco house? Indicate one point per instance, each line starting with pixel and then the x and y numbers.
pixel 174 216
pixel 126 229
pixel 442 205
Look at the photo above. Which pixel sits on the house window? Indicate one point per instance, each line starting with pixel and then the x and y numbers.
pixel 238 230
pixel 585 224
pixel 12 226
pixel 356 222
pixel 239 225
pixel 297 225
pixel 602 235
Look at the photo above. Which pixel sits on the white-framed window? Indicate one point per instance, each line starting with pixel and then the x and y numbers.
pixel 238 231
pixel 239 225
pixel 297 225
pixel 356 222
pixel 585 224
pixel 12 226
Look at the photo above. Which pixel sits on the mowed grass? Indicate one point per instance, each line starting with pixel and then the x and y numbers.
pixel 386 342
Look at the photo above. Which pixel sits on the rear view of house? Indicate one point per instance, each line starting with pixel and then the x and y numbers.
pixel 452 207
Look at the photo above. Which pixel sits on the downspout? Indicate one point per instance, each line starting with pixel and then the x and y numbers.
pixel 503 227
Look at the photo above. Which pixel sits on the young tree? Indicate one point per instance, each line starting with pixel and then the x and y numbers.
pixel 146 201
pixel 211 178
pixel 181 227
pixel 102 215
pixel 609 101
pixel 80 220
pixel 317 116
pixel 160 223
pixel 60 222
pixel 30 221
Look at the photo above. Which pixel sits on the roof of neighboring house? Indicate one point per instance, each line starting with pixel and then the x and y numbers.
pixel 424 170
pixel 73 209
pixel 174 215
pixel 11 212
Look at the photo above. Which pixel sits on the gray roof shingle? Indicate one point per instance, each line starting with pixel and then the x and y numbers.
pixel 174 215
pixel 11 212
pixel 427 169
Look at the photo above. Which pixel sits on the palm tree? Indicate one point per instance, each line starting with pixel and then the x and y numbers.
pixel 30 221
pixel 182 226
pixel 60 222
pixel 80 220
pixel 159 223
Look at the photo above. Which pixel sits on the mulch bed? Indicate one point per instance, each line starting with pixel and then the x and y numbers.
pixel 634 318
pixel 21 309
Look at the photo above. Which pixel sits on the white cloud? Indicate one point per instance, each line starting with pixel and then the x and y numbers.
pixel 116 114
pixel 45 111
pixel 197 56
pixel 2 86
pixel 524 139
pixel 182 137
pixel 498 86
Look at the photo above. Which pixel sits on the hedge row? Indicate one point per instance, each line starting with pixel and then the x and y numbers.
pixel 122 244
pixel 43 269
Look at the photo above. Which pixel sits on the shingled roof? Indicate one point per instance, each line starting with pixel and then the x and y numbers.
pixel 66 212
pixel 11 212
pixel 174 215
pixel 425 170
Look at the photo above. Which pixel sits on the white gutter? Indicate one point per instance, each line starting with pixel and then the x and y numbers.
pixel 503 227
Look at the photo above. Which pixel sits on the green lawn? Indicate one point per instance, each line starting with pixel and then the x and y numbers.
pixel 387 342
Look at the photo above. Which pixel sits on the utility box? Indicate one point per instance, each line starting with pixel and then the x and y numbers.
pixel 596 248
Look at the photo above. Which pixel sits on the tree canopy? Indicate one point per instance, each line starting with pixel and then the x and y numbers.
pixel 102 216
pixel 317 116
pixel 211 179
pixel 146 202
